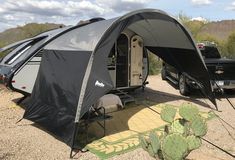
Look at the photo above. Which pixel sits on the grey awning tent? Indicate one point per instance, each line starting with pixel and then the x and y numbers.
pixel 75 64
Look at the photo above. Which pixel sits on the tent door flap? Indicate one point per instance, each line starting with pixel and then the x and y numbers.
pixel 136 56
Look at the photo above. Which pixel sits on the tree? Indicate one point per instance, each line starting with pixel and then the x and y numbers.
pixel 231 45
pixel 154 64
pixel 221 45
pixel 194 27
pixel 183 18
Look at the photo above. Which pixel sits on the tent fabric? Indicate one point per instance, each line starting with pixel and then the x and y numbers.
pixel 107 41
pixel 53 105
pixel 73 73
pixel 72 40
pixel 187 62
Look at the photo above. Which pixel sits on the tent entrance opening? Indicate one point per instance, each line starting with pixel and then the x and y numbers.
pixel 122 61
pixel 127 63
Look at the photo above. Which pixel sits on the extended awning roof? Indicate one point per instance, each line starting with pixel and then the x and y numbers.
pixel 74 62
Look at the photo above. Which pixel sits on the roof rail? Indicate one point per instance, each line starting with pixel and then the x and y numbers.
pixel 92 20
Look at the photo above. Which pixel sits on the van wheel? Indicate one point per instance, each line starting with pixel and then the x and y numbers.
pixel 183 87
pixel 163 73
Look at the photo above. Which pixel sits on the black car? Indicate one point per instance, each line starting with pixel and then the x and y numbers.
pixel 221 71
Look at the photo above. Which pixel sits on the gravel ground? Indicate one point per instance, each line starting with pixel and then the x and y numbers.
pixel 24 140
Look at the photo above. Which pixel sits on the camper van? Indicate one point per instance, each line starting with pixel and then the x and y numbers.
pixel 14 74
pixel 127 63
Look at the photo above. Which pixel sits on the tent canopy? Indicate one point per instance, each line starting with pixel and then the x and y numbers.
pixel 76 61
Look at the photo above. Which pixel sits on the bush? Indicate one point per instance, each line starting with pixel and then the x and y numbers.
pixel 155 64
pixel 230 45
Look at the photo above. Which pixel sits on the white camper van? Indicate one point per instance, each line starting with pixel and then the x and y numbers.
pixel 127 63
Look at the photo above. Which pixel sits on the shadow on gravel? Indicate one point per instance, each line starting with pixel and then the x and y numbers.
pixel 155 96
pixel 163 97
pixel 196 93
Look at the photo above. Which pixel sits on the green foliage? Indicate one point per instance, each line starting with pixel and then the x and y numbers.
pixel 194 27
pixel 193 142
pixel 183 136
pixel 150 151
pixel 22 32
pixel 177 126
pixel 206 37
pixel 168 113
pixel 174 146
pixel 183 18
pixel 188 111
pixel 225 46
pixel 154 141
pixel 154 64
pixel 199 126
pixel 151 144
pixel 143 142
pixel 230 45
pixel 2 54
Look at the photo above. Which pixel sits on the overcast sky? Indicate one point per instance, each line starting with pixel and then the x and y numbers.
pixel 20 12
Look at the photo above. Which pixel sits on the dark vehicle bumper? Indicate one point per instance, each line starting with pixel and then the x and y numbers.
pixel 224 84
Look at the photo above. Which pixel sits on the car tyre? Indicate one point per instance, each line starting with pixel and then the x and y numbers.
pixel 229 91
pixel 183 86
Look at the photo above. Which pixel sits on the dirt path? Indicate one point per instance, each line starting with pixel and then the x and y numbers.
pixel 25 141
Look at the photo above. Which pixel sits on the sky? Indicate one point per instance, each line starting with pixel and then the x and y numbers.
pixel 69 12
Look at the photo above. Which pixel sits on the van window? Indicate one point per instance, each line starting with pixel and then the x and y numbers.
pixel 22 51
pixel 6 52
pixel 210 52
pixel 16 56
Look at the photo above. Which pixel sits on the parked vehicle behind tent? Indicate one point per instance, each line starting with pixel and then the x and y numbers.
pixel 221 71
pixel 75 68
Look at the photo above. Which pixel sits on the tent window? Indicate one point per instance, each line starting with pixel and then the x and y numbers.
pixel 210 52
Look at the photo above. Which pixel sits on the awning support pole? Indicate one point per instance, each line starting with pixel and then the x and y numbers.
pixel 74 137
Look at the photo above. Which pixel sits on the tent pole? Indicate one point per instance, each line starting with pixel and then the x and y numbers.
pixel 73 139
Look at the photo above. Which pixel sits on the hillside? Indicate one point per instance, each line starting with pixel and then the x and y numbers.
pixel 26 31
pixel 220 30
